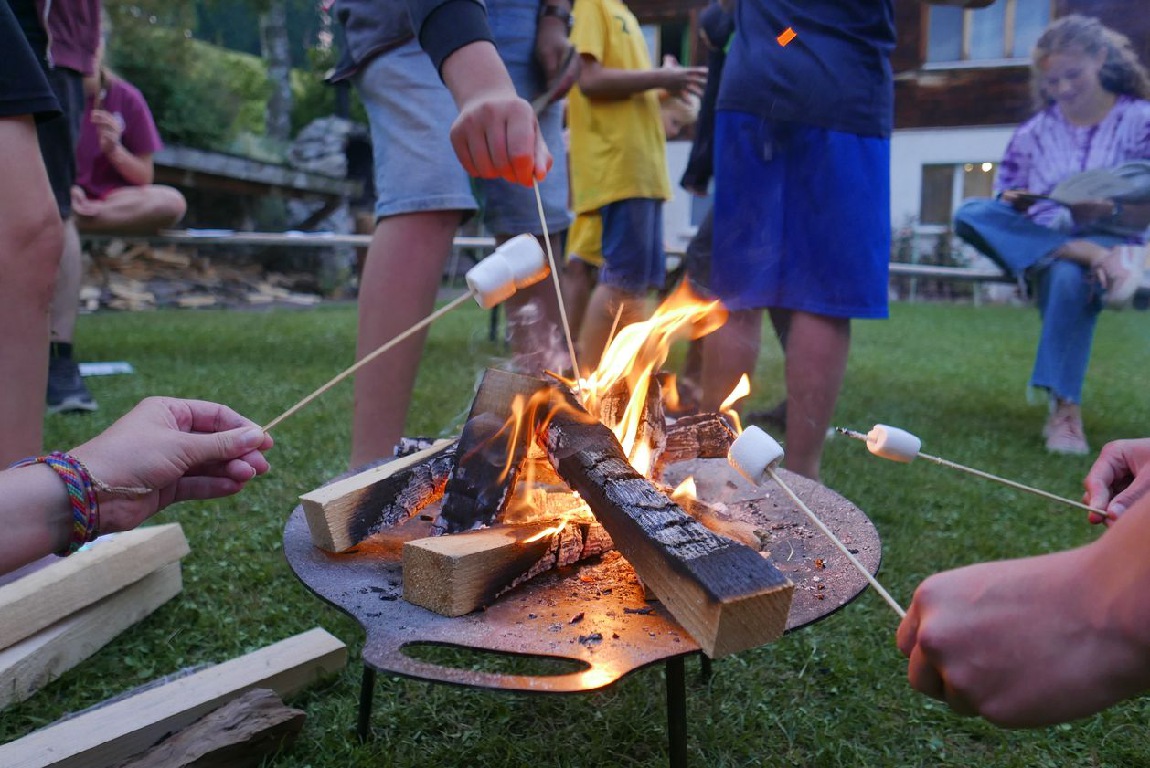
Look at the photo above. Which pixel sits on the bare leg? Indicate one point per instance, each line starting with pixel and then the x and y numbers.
pixel 66 300
pixel 1082 251
pixel 578 279
pixel 400 281
pixel 31 240
pixel 816 361
pixel 607 302
pixel 534 326
pixel 728 353
pixel 134 210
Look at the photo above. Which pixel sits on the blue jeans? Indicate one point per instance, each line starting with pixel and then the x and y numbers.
pixel 1069 297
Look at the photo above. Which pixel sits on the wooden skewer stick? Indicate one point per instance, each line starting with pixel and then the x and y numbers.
pixel 575 373
pixel 371 356
pixel 835 540
pixel 988 476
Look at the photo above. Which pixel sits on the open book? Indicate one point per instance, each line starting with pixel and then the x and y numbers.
pixel 1129 182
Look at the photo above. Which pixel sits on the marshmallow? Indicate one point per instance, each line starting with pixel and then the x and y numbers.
pixel 527 261
pixel 491 280
pixel 893 443
pixel 753 453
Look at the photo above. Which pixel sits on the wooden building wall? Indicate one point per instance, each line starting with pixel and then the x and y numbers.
pixel 994 95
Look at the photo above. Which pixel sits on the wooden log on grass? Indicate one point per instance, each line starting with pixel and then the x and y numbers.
pixel 49 594
pixel 32 663
pixel 248 730
pixel 343 513
pixel 725 594
pixel 111 734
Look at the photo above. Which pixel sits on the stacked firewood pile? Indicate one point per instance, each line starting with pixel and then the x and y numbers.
pixel 139 276
pixel 59 612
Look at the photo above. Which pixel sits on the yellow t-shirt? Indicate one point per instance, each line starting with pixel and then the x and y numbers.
pixel 618 149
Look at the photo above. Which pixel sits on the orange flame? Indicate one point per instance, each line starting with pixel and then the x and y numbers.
pixel 741 390
pixel 685 490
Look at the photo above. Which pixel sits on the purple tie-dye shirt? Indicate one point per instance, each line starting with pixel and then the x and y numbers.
pixel 1047 149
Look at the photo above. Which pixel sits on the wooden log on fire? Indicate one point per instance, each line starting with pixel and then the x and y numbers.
pixel 489 454
pixel 456 574
pixel 699 436
pixel 726 595
pixel 344 513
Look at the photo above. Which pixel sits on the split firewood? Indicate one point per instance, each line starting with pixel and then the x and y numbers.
pixel 463 572
pixel 724 593
pixel 652 428
pixel 701 436
pixel 491 449
pixel 248 730
pixel 344 513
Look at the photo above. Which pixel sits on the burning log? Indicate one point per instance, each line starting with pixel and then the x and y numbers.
pixel 725 594
pixel 344 513
pixel 490 452
pixel 701 436
pixel 457 574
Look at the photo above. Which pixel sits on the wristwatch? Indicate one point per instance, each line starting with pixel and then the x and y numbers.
pixel 558 12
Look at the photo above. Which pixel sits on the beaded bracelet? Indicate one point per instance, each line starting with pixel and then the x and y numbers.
pixel 81 495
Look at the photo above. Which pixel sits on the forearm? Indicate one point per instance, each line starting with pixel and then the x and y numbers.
pixel 476 70
pixel 136 170
pixel 599 82
pixel 35 515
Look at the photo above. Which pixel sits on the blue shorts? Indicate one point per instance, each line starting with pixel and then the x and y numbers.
pixel 510 209
pixel 411 112
pixel 633 257
pixel 802 218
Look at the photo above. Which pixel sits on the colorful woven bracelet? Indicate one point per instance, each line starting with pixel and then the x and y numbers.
pixel 81 495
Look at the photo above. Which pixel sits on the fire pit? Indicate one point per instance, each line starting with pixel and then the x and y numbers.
pixel 513 537
pixel 595 613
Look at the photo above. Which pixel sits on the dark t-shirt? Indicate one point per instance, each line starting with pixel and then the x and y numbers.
pixel 24 89
pixel 835 72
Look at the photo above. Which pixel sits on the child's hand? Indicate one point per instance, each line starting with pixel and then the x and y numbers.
pixel 496 134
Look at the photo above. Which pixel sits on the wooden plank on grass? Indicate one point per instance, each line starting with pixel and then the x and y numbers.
pixel 344 513
pixel 110 734
pixel 45 596
pixel 36 661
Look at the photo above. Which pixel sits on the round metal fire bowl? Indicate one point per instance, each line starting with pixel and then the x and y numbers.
pixel 594 614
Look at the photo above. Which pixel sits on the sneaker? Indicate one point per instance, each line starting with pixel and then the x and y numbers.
pixel 66 389
pixel 1122 271
pixel 1063 431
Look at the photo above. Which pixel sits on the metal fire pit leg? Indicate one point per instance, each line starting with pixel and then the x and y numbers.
pixel 677 711
pixel 706 668
pixel 366 694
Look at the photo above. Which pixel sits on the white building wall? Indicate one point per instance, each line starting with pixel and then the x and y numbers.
pixel 910 150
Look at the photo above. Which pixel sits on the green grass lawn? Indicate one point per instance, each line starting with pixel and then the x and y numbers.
pixel 833 694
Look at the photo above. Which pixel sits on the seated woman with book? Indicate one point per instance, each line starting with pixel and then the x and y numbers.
pixel 1092 92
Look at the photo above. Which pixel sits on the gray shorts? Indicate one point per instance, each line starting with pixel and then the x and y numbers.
pixel 411 112
pixel 510 209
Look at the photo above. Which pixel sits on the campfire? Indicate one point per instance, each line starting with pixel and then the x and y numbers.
pixel 549 472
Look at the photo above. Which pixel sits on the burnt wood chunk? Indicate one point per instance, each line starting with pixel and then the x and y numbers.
pixel 345 512
pixel 489 455
pixel 652 428
pixel 725 594
pixel 700 436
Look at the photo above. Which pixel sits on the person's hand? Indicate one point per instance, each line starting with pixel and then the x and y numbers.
pixel 82 204
pixel 109 128
pixel 1118 478
pixel 1019 199
pixel 678 80
pixel 496 134
pixel 1029 642
pixel 551 45
pixel 178 449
